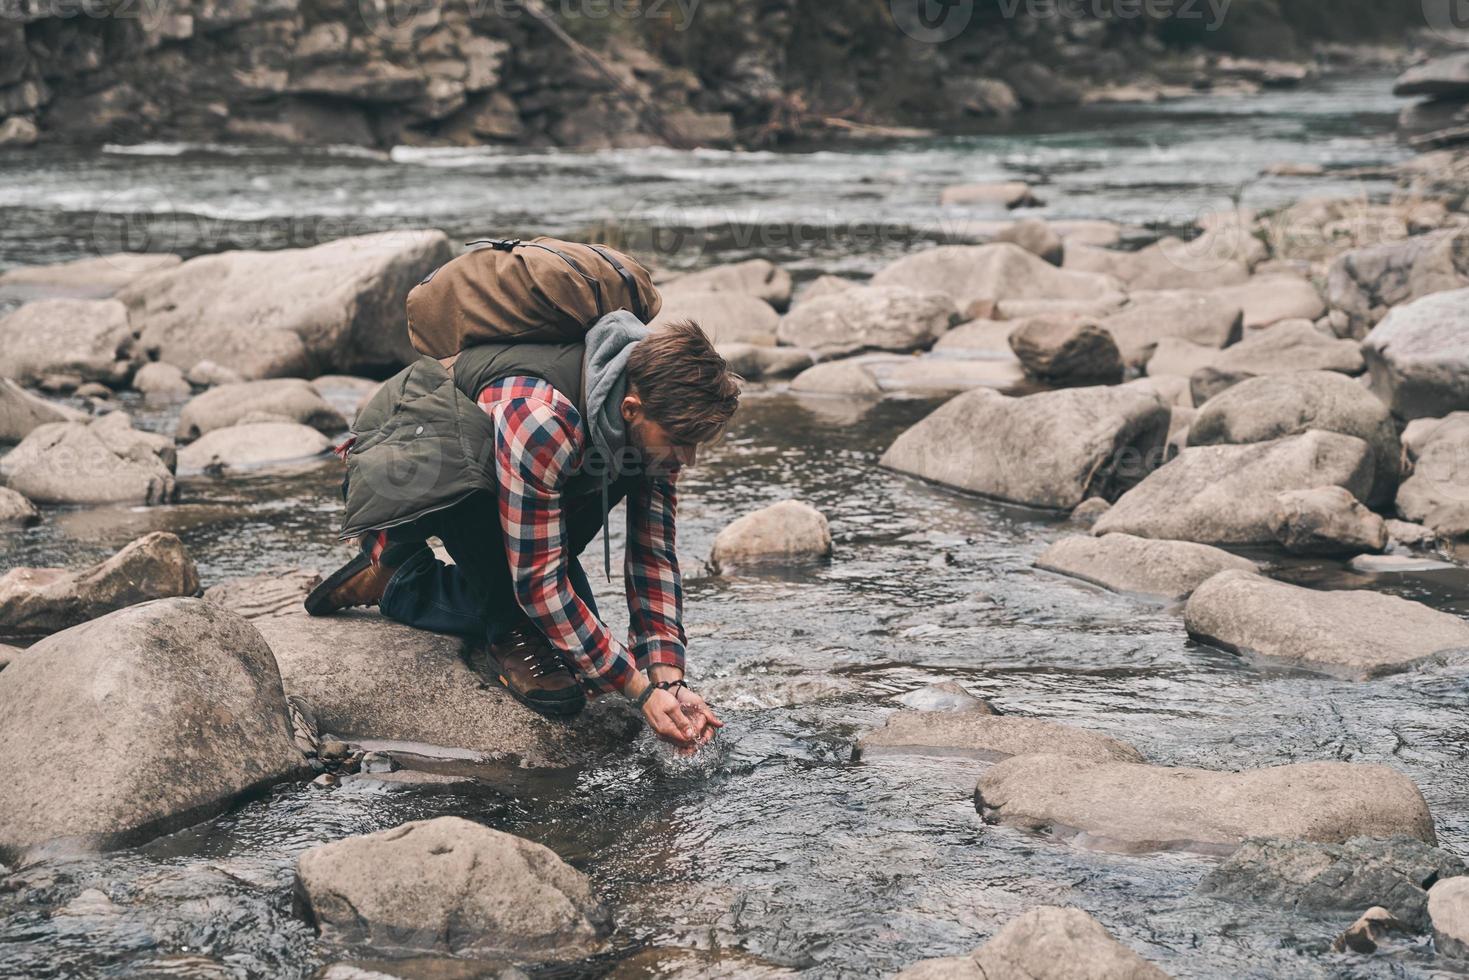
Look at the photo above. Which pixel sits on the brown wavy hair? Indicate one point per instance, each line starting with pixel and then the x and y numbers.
pixel 684 384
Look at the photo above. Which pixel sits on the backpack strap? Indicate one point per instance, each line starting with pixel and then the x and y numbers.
pixel 595 283
pixel 627 280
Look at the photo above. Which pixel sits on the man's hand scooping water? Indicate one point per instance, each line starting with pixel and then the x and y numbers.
pixel 676 714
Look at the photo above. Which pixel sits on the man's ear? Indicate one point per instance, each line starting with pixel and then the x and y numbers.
pixel 632 408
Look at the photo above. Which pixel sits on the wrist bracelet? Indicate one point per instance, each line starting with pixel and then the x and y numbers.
pixel 670 685
pixel 642 699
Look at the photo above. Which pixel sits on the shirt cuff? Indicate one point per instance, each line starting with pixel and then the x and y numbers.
pixel 658 651
pixel 613 681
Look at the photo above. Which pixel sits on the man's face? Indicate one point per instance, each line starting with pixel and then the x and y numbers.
pixel 661 452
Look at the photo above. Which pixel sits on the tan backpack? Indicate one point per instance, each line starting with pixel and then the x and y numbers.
pixel 542 291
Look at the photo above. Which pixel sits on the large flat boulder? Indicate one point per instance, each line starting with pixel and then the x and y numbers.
pixel 986 275
pixel 1046 943
pixel 1418 356
pixel 1274 406
pixel 1097 442
pixel 290 399
pixel 46 600
pixel 1268 299
pixel 1226 494
pixel 1133 808
pixel 786 531
pixel 1311 877
pixel 1193 315
pixel 1365 283
pixel 293 312
pixel 98 277
pixel 99 462
pixel 368 677
pixel 1436 494
pixel 1283 349
pixel 450 885
pixel 165 713
pixel 928 375
pixel 1168 263
pixel 977 735
pixel 1357 634
pixel 892 318
pixel 759 278
pixel 1140 566
pixel 22 412
pixel 1437 78
pixel 89 339
pixel 253 446
pixel 726 317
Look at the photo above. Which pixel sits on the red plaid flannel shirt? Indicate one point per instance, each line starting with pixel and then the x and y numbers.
pixel 540 441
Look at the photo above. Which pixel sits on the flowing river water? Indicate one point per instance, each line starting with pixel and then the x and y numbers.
pixel 773 844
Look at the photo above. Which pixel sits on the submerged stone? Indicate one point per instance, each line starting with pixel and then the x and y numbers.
pixel 989 737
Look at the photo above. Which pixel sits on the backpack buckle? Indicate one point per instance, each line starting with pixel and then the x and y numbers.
pixel 498 244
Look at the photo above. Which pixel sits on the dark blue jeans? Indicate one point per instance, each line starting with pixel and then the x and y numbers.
pixel 475 597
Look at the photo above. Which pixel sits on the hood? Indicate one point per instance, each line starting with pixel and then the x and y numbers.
pixel 609 344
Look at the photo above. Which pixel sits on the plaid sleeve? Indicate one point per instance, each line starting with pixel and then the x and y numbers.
pixel 537 447
pixel 650 570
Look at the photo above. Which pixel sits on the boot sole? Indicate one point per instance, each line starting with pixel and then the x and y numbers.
pixel 550 709
pixel 317 603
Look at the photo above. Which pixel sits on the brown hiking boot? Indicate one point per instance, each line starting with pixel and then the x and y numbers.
pixel 535 674
pixel 360 582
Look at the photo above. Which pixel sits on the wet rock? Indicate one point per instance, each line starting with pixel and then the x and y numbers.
pixel 944 696
pixel 1448 909
pixel 1191 315
pixel 21 412
pixel 1368 932
pixel 104 461
pixel 848 376
pixel 450 885
pixel 1064 350
pixel 1437 493
pixel 16 509
pixel 1166 264
pixel 753 362
pixel 1047 942
pixel 989 737
pixel 1357 634
pixel 331 307
pixel 1443 77
pixel 727 318
pixel 1334 877
pixel 1418 356
pixel 94 278
pixel 759 278
pixel 1133 808
pixel 1397 565
pixel 1368 282
pixel 1326 521
pixel 1410 535
pixel 867 318
pixel 1285 348
pixel 165 713
pixel 1094 442
pixel 1226 494
pixel 1274 406
pixel 368 677
pixel 787 531
pixel 408 780
pixel 1036 237
pixel 1007 194
pixel 240 447
pixel 1268 299
pixel 1143 566
pixel 227 405
pixel 419 967
pixel 45 600
pixel 87 338
pixel 1089 511
pixel 161 380
pixel 207 374
pixel 976 276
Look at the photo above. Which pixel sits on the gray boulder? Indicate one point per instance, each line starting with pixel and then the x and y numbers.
pixel 1309 877
pixel 87 339
pixel 1141 566
pixel 1268 299
pixel 1036 237
pixel 1356 634
pixel 101 462
pixel 252 446
pixel 166 713
pixel 22 412
pixel 288 398
pixel 1051 450
pixel 725 317
pixel 1046 943
pixel 1438 78
pixel 1418 356
pixel 1192 315
pixel 787 531
pixel 1365 283
pixel 1176 357
pixel 755 362
pixel 46 600
pixel 1226 494
pixel 1286 348
pixel 1448 910
pixel 976 735
pixel 207 374
pixel 1436 495
pixel 759 278
pixel 978 277
pixel 94 278
pixel 1067 350
pixel 450 885
pixel 369 677
pixel 867 318
pixel 927 375
pixel 1168 263
pixel 331 307
pixel 16 509
pixel 1326 521
pixel 161 380
pixel 1274 406
pixel 1133 808
pixel 1000 194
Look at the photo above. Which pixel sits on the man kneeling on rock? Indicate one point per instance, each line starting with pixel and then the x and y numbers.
pixel 511 454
